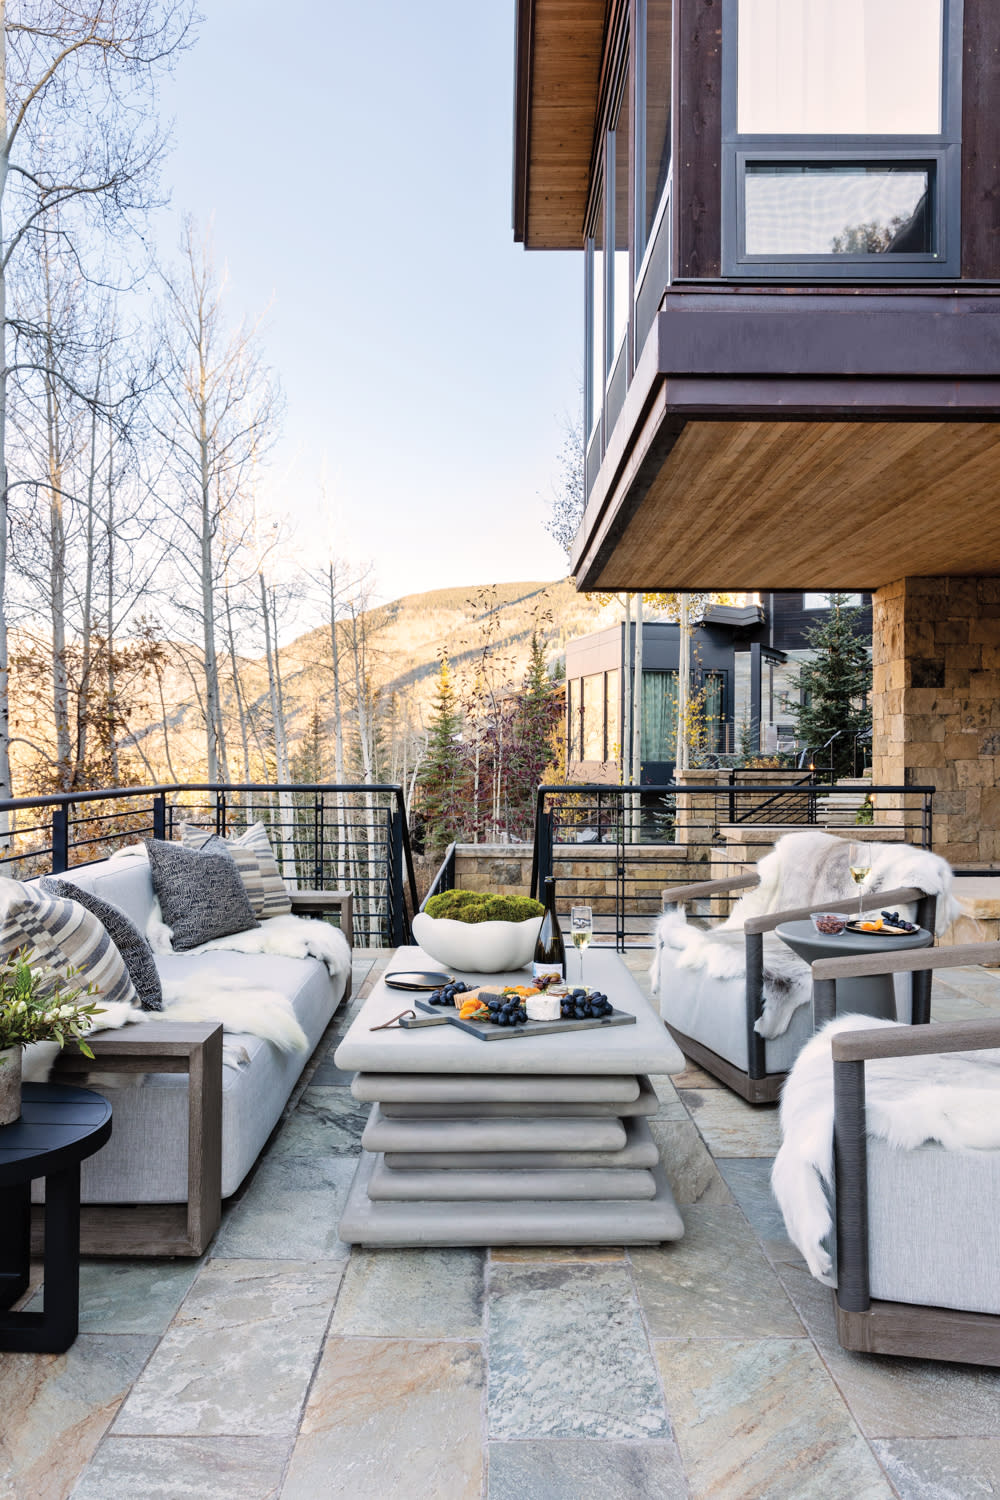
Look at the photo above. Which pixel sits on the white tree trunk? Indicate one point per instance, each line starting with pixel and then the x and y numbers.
pixel 636 772
pixel 5 780
pixel 683 756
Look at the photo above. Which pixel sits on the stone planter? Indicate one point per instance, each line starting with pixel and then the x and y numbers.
pixel 10 1085
pixel 477 947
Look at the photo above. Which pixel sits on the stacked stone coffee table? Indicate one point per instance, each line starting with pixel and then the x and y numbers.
pixel 521 1141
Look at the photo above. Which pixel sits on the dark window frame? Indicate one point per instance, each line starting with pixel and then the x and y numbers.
pixel 941 152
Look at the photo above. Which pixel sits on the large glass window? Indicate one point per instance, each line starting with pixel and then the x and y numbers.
pixel 596 308
pixel 838 209
pixel 593 717
pixel 621 285
pixel 612 731
pixel 659 716
pixel 715 724
pixel 840 67
pixel 573 719
pixel 653 170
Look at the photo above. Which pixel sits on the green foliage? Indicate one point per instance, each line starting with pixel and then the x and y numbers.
pixel 480 906
pixel 35 1005
pixel 442 774
pixel 866 813
pixel 835 687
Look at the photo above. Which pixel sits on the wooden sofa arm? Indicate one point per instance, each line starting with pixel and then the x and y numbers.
pixel 917 1041
pixel 316 903
pixel 875 900
pixel 916 961
pixel 676 895
pixel 192 1047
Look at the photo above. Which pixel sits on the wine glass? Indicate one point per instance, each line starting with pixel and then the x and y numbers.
pixel 581 925
pixel 860 867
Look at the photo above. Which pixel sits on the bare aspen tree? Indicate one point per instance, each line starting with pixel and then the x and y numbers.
pixel 78 138
pixel 219 411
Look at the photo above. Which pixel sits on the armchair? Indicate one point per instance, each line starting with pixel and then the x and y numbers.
pixel 735 998
pixel 916 1168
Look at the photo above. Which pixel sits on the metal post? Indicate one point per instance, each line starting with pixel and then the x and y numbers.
pixel 318 808
pixel 756 1056
pixel 60 838
pixel 397 903
pixel 850 1156
pixel 159 815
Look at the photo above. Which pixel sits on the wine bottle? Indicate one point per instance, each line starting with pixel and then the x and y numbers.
pixel 550 952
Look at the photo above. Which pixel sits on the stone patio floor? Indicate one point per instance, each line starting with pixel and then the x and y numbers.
pixel 284 1364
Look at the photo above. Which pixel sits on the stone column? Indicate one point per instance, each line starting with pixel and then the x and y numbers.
pixel 936 706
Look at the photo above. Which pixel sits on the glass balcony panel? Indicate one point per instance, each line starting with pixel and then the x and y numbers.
pixel 657 135
pixel 621 291
pixel 811 209
pixel 595 334
pixel 840 67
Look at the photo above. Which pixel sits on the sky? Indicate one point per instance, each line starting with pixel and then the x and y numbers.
pixel 354 162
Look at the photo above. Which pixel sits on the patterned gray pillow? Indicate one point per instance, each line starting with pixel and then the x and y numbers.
pixel 255 861
pixel 130 942
pixel 201 895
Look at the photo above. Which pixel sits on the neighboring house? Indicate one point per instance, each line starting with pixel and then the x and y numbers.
pixel 745 660
pixel 789 227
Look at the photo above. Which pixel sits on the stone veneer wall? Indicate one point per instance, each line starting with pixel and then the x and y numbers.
pixel 936 705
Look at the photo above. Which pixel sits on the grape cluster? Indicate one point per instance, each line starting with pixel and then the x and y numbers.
pixel 583 1005
pixel 895 920
pixel 507 1010
pixel 446 995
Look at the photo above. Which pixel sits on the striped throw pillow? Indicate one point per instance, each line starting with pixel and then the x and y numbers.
pixel 255 861
pixel 63 935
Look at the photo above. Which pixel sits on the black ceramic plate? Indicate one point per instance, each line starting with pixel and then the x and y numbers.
pixel 417 979
pixel 884 931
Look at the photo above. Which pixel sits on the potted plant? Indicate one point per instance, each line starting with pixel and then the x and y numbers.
pixel 36 1006
pixel 478 932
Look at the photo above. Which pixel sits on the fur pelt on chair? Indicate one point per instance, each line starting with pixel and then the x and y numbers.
pixel 952 1098
pixel 801 870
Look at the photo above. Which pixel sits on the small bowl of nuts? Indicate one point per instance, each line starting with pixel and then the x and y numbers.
pixel 829 923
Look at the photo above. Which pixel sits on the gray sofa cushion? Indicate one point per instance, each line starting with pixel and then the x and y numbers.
pixel 146 1159
pixel 201 895
pixel 130 942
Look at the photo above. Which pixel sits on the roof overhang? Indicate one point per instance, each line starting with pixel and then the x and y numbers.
pixel 802 443
pixel 560 46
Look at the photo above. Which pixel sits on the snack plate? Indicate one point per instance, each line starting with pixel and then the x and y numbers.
pixel 417 979
pixel 487 1032
pixel 884 931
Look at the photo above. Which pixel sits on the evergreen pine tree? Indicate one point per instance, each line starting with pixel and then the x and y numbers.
pixel 835 686
pixel 442 772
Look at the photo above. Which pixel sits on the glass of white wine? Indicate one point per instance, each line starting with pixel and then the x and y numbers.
pixel 860 867
pixel 581 926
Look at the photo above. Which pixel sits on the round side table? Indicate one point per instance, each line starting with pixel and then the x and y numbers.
pixel 866 997
pixel 59 1127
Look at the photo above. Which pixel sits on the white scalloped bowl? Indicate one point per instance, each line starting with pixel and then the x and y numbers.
pixel 477 947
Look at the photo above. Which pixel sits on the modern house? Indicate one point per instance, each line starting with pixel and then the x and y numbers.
pixel 745 662
pixel 789 223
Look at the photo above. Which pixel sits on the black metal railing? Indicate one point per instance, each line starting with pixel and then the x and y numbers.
pixel 324 836
pixel 617 848
pixel 444 878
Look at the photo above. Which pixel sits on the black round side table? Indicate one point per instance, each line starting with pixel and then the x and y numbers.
pixel 59 1127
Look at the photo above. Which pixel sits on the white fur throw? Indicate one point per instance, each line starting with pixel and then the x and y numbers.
pixel 802 869
pixel 952 1098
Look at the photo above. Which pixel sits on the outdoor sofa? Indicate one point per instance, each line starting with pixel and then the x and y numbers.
pixel 187 1129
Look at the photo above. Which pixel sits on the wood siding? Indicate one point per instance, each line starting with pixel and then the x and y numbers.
pixel 981 140
pixel 697 204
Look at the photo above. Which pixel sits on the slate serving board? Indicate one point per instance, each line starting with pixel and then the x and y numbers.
pixel 487 1032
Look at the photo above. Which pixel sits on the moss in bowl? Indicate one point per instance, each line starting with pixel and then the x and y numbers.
pixel 476 932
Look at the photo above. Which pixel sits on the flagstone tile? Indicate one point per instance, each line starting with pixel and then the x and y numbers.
pixel 671 1107
pixel 694 1077
pixel 56 1408
pixel 569 1356
pixel 563 1254
pixel 328 1075
pixel 687 1162
pixel 391 1419
pixel 129 1296
pixel 761 1417
pixel 327 1122
pixel 941 1468
pixel 749 1181
pixel 289 1211
pixel 715 1282
pixel 897 1398
pixel 239 1356
pixel 413 1294
pixel 730 1126
pixel 566 1468
pixel 184 1468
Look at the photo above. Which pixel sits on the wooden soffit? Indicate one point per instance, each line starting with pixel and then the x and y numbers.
pixel 558 71
pixel 806 504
